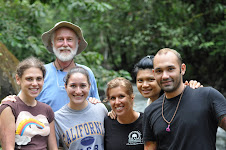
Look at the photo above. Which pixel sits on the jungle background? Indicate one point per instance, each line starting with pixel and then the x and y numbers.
pixel 120 32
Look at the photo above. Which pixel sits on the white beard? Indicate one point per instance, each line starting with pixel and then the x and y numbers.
pixel 65 56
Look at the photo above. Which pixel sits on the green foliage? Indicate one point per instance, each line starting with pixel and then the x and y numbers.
pixel 95 60
pixel 22 35
pixel 19 28
pixel 123 32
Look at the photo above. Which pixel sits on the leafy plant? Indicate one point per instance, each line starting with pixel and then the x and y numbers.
pixel 94 60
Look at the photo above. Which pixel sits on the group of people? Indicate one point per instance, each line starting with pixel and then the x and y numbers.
pixel 52 109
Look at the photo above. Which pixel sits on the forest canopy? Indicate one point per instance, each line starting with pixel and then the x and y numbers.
pixel 120 33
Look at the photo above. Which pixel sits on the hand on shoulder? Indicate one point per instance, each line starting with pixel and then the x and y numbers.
pixel 9 98
pixel 93 100
pixel 193 84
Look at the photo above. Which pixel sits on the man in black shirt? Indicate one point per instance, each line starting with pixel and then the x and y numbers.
pixel 182 118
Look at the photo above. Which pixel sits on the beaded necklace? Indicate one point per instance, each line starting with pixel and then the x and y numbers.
pixel 169 122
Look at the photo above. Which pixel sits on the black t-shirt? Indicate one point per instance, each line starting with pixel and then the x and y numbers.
pixel 123 136
pixel 195 124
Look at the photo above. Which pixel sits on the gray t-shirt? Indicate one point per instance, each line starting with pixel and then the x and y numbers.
pixel 81 130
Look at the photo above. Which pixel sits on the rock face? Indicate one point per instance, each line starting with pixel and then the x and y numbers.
pixel 8 63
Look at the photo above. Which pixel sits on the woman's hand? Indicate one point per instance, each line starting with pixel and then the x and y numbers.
pixel 9 98
pixel 93 100
pixel 112 114
pixel 193 84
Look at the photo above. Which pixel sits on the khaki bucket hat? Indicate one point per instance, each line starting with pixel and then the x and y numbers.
pixel 46 36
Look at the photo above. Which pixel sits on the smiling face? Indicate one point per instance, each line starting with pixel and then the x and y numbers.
pixel 65 44
pixel 168 72
pixel 78 90
pixel 121 102
pixel 31 83
pixel 147 85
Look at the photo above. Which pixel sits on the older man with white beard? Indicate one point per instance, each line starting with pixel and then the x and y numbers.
pixel 66 41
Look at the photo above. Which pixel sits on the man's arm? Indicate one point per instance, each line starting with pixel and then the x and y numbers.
pixel 150 145
pixel 222 122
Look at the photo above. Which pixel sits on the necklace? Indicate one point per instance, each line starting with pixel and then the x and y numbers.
pixel 61 69
pixel 168 128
